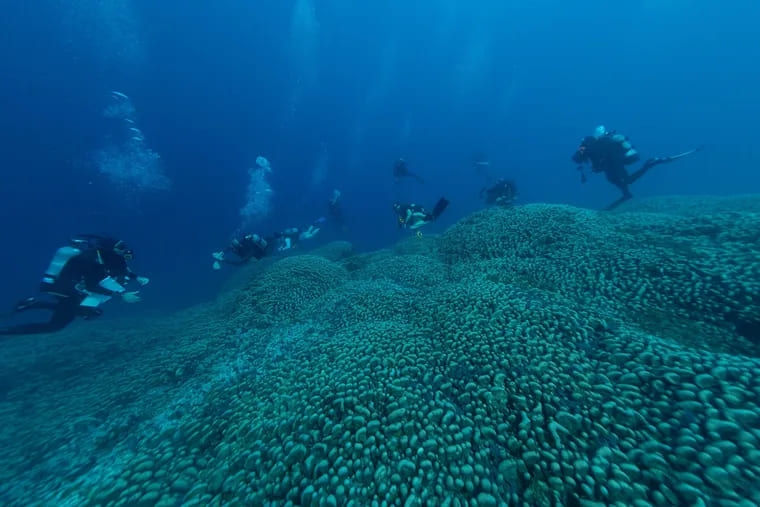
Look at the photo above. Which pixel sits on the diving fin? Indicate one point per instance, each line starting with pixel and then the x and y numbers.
pixel 674 157
pixel 440 207
pixel 617 203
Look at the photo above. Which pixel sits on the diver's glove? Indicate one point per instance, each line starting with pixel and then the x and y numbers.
pixel 216 265
pixel 131 297
pixel 143 280
pixel 218 256
pixel 108 283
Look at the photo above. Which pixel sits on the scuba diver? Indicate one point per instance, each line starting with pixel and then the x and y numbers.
pixel 290 237
pixel 250 246
pixel 481 165
pixel 400 170
pixel 81 277
pixel 335 211
pixel 287 239
pixel 413 216
pixel 503 192
pixel 609 152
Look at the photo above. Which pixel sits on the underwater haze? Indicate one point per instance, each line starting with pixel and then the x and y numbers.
pixel 352 87
pixel 541 353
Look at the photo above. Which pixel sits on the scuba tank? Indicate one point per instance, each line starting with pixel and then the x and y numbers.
pixel 93 242
pixel 631 155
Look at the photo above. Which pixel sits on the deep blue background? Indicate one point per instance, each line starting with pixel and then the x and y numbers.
pixel 218 83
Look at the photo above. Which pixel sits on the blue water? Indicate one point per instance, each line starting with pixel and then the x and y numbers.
pixel 357 86
pixel 331 93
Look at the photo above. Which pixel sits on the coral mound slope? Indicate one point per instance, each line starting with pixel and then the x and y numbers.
pixel 539 355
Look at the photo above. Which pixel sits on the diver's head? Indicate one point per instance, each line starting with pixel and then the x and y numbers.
pixel 121 248
pixel 581 154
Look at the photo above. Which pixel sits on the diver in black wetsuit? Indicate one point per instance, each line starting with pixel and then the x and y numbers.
pixel 287 238
pixel 250 246
pixel 335 210
pixel 502 192
pixel 253 246
pixel 81 277
pixel 482 165
pixel 610 152
pixel 414 216
pixel 292 236
pixel 400 170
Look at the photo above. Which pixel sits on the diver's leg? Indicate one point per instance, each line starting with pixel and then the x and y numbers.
pixel 619 179
pixel 645 168
pixel 34 304
pixel 63 315
pixel 89 312
pixel 64 310
pixel 22 329
pixel 657 161
pixel 34 328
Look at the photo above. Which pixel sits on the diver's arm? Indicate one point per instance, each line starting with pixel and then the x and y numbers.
pixel 142 280
pixel 110 287
pixel 125 274
pixel 131 275
pixel 107 286
pixel 85 276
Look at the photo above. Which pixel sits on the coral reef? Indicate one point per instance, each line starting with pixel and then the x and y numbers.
pixel 537 355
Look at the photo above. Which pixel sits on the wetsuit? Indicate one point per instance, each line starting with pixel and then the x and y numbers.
pixel 75 284
pixel 502 192
pixel 610 153
pixel 250 246
pixel 288 238
pixel 335 212
pixel 414 216
pixel 400 170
